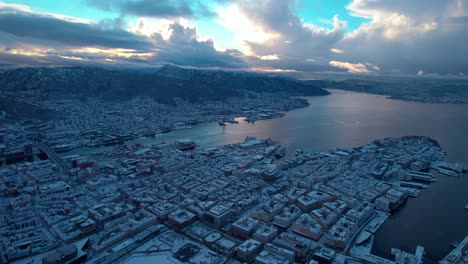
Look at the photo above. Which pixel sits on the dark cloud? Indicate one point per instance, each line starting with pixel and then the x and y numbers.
pixel 37 39
pixel 70 58
pixel 18 60
pixel 439 51
pixel 156 8
pixel 48 41
pixel 69 33
pixel 402 36
pixel 407 37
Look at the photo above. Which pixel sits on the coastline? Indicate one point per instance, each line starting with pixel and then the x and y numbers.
pixel 409 97
pixel 398 223
pixel 302 103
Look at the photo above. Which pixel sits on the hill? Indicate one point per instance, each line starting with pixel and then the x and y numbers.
pixel 163 84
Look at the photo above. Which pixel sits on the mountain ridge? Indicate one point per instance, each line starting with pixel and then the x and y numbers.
pixel 164 84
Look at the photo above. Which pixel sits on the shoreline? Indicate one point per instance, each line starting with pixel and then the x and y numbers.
pixel 212 126
pixel 409 98
pixel 276 115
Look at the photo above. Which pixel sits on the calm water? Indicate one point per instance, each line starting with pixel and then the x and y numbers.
pixel 434 219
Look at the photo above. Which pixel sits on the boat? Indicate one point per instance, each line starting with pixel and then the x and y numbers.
pixel 232 121
pixel 412 192
pixel 221 123
pixel 454 244
pixel 63 147
pixel 447 172
pixel 413 185
pixel 280 153
pixel 363 237
pixel 165 129
pixel 161 145
pixel 185 144
pixel 181 125
pixel 466 206
pixel 250 119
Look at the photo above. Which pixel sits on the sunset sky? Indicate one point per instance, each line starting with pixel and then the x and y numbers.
pixel 414 37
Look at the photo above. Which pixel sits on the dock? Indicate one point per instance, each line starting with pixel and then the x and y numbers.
pixel 421 176
pixel 448 168
pixel 413 185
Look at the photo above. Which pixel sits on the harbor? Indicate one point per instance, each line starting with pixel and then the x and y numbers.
pixel 403 228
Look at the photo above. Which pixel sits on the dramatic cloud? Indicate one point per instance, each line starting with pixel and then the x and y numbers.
pixel 184 48
pixel 408 36
pixel 354 67
pixel 271 30
pixel 30 38
pixel 28 25
pixel 400 36
pixel 156 8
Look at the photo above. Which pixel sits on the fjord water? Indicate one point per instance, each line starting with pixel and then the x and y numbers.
pixel 345 119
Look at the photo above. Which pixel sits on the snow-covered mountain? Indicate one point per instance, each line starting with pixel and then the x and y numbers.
pixel 163 84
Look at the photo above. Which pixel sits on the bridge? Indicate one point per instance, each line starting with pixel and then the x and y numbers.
pixel 53 156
